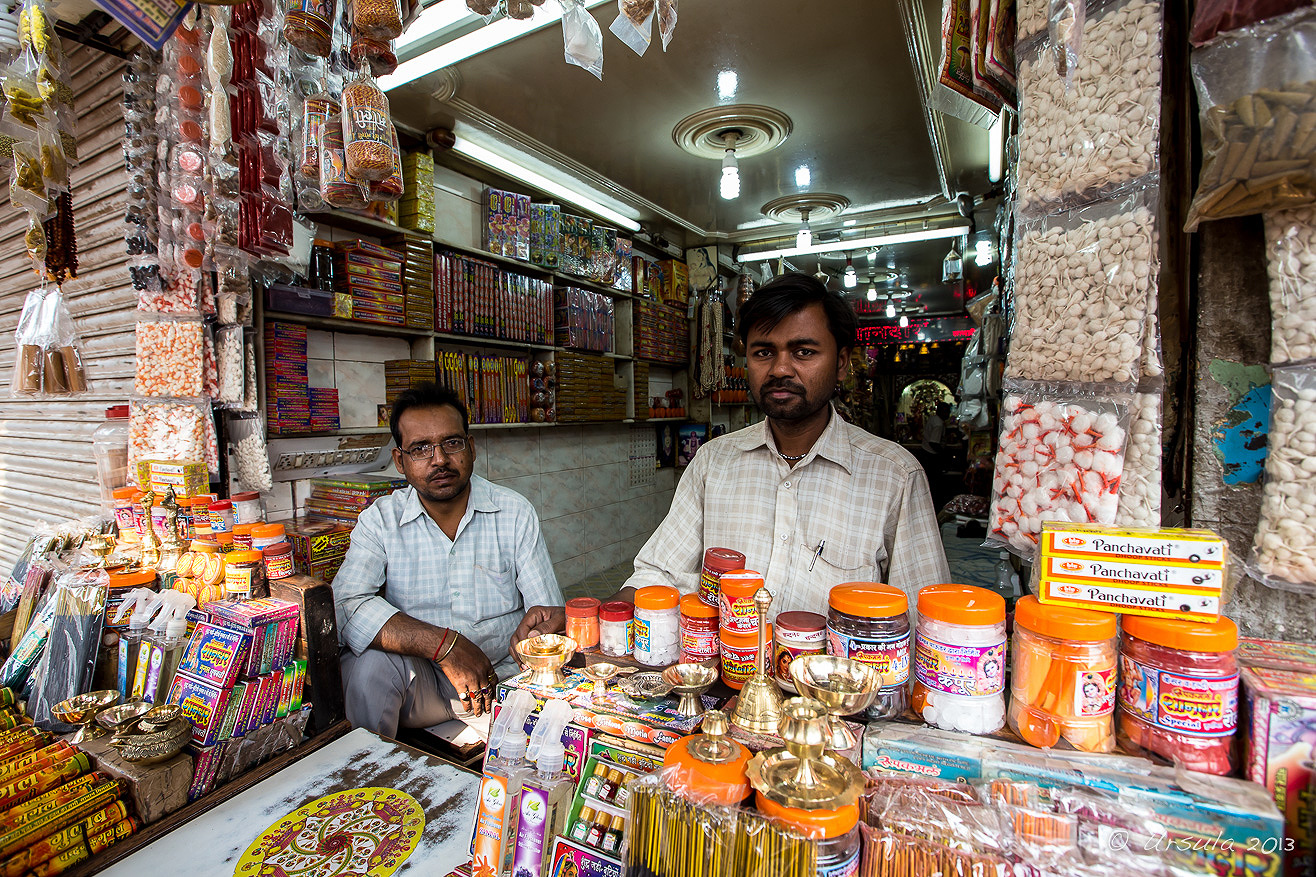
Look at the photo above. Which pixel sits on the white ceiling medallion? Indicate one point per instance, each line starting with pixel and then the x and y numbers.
pixel 821 206
pixel 449 81
pixel 760 129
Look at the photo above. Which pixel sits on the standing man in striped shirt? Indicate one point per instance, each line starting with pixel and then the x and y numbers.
pixel 810 500
pixel 440 579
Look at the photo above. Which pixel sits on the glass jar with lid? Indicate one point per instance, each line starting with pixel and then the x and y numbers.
pixel 583 621
pixel 959 658
pixel 836 831
pixel 244 575
pixel 869 622
pixel 657 625
pixel 616 637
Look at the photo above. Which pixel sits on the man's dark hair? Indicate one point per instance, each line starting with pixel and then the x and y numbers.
pixel 425 396
pixel 791 293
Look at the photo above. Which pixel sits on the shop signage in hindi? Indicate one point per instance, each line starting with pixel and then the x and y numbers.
pixel 941 329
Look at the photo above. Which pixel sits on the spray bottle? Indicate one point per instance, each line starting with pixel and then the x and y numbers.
pixel 545 796
pixel 169 638
pixel 494 837
pixel 143 602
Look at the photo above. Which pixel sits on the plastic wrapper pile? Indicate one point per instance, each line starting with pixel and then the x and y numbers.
pixel 1284 548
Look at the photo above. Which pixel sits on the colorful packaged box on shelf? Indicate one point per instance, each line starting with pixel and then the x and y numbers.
pixel 675 282
pixel 203 704
pixel 584 319
pixel 215 654
pixel 186 478
pixel 544 234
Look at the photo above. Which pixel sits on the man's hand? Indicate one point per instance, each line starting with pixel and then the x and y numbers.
pixel 539 620
pixel 470 672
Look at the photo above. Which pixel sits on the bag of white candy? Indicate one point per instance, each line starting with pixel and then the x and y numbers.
pixel 248 452
pixel 1060 458
pixel 1284 548
pixel 1291 264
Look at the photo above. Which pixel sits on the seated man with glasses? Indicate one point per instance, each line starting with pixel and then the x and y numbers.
pixel 440 579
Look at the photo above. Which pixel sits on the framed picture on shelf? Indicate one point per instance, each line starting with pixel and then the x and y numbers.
pixel 666 437
pixel 702 265
pixel 690 437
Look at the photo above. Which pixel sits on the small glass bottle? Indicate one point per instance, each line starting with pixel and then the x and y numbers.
pixel 594 836
pixel 596 779
pixel 612 837
pixel 608 793
pixel 616 637
pixel 580 829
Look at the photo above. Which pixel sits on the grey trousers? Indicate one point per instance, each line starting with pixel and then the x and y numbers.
pixel 383 692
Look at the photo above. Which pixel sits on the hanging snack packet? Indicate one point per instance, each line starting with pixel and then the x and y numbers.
pixel 366 122
pixel 377 19
pixel 338 188
pixel 307 25
pixel 634 24
pixel 581 38
pixel 26 377
pixel 666 21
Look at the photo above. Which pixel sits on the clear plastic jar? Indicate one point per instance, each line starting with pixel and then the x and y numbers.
pixel 716 562
pixel 869 622
pixel 265 535
pixel 242 536
pixel 836 832
pixel 657 625
pixel 959 658
pixel 244 575
pixel 1064 673
pixel 698 630
pixel 583 621
pixel 221 516
pixel 740 654
pixel 123 512
pixel 795 635
pixel 616 631
pixel 1178 690
pixel 278 560
pixel 247 508
pixel 109 444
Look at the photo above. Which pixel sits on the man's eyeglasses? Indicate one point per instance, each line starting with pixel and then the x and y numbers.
pixel 450 447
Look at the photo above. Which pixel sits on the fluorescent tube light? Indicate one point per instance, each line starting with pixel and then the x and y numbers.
pixel 996 148
pixel 507 166
pixel 928 234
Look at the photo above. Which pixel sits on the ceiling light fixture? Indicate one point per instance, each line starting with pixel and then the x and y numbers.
pixel 804 238
pixel 730 168
pixel 851 276
pixel 508 167
pixel 727 83
pixel 872 292
pixel 890 309
pixel 904 320
pixel 800 249
pixel 802 176
pixel 982 253
pixel 996 148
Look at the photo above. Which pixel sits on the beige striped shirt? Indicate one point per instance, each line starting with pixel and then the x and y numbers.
pixel 864 499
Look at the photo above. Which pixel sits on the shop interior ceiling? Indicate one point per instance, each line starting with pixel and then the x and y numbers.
pixel 844 73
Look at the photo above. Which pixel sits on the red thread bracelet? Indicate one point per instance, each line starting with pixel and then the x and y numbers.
pixel 442 640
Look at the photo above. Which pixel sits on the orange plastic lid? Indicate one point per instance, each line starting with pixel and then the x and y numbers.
pixel 868 600
pixel 247 529
pixel 740 582
pixel 961 604
pixel 811 823
pixel 183 500
pixel 1062 622
pixel 724 784
pixel 582 607
pixel 138 495
pixel 204 546
pixel 1190 636
pixel 131 579
pixel 245 557
pixel 734 639
pixel 124 492
pixel 657 597
pixel 693 607
pixel 264 531
pixel 224 538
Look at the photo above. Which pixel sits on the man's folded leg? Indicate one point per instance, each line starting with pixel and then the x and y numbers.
pixel 383 691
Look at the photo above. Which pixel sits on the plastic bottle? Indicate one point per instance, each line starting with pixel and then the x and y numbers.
pixel 143 602
pixel 546 796
pixel 109 444
pixel 493 838
pixel 167 644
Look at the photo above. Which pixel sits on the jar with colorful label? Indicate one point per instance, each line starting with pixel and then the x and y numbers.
pixel 657 625
pixel 278 560
pixel 699 623
pixel 959 658
pixel 244 575
pixel 123 512
pixel 1178 690
pixel 247 508
pixel 1063 682
pixel 716 562
pixel 185 531
pixel 740 652
pixel 735 600
pixel 141 515
pixel 265 535
pixel 796 634
pixel 835 830
pixel 869 622
pixel 242 537
pixel 616 635
pixel 583 621
pixel 221 516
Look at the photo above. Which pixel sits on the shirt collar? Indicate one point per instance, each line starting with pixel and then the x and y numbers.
pixel 832 444
pixel 482 499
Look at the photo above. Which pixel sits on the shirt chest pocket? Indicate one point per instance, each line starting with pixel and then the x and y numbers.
pixel 843 559
pixel 495 592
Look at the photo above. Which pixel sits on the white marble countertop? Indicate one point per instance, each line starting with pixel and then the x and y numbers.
pixel 211 844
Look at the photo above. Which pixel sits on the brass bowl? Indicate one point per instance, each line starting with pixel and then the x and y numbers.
pixel 843 686
pixel 600 672
pixel 117 718
pixel 689 681
pixel 545 655
pixel 160 715
pixel 81 709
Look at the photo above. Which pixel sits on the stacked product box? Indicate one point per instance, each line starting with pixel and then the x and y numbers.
pixel 416 207
pixel 494 388
pixel 185 478
pixel 318 547
pixel 586 389
pixel 673 282
pixel 576 236
pixel 646 279
pixel 286 384
pixel 401 375
pixel 417 255
pixel 507 224
pixel 344 499
pixel 661 332
pixel 622 278
pixel 476 297
pixel 324 409
pixel 584 319
pixel 371 276
pixel 545 234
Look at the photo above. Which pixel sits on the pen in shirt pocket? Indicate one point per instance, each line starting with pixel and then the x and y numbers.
pixel 817 553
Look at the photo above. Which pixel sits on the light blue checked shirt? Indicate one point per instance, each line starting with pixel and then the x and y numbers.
pixel 480 584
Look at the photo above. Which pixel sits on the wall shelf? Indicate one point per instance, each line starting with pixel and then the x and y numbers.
pixel 337 324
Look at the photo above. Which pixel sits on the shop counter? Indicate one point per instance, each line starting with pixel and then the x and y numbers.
pixel 216 843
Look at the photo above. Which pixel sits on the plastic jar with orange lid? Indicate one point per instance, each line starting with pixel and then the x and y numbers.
pixel 869 622
pixel 835 831
pixel 265 535
pixel 123 512
pixel 699 623
pixel 657 625
pixel 1064 676
pixel 583 621
pixel 1178 690
pixel 959 658
pixel 716 562
pixel 735 600
pixel 242 537
pixel 740 654
pixel 244 575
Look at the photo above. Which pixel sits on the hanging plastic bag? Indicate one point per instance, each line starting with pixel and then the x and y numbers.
pixel 634 24
pixel 27 185
pixel 250 453
pixel 64 351
pixel 1291 264
pixel 170 357
pixel 581 38
pixel 338 188
pixel 485 8
pixel 1211 17
pixel 26 377
pixel 376 19
pixel 952 267
pixel 666 21
pixel 229 356
pixel 519 10
pixel 1284 548
pixel 1065 27
pixel 366 122
pixel 307 25
pixel 1140 485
